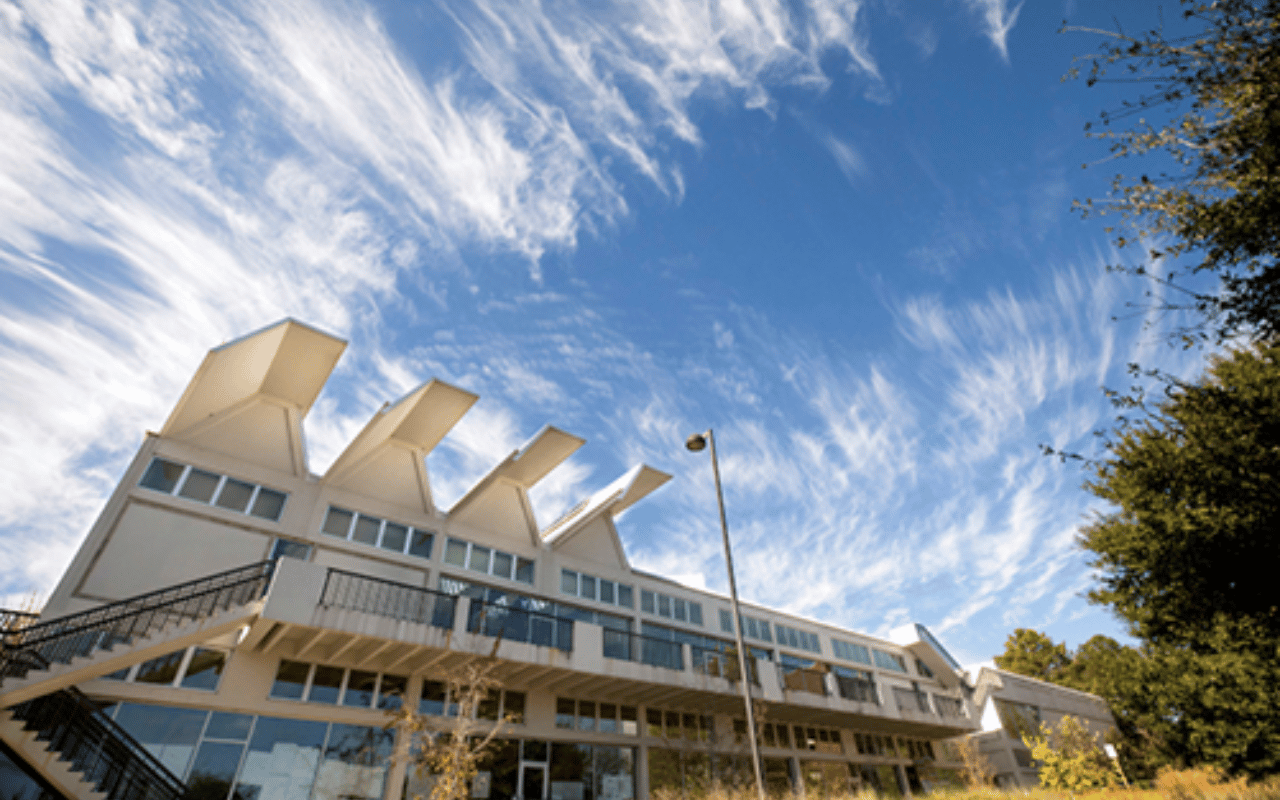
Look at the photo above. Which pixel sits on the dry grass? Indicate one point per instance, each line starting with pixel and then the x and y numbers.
pixel 1198 784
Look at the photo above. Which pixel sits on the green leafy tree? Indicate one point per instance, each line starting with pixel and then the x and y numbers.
pixel 1185 559
pixel 1033 654
pixel 1070 757
pixel 1214 206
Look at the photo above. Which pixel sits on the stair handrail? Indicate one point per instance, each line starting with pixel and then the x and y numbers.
pixel 58 627
pixel 14 624
pixel 69 719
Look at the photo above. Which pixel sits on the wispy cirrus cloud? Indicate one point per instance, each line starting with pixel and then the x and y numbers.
pixel 998 20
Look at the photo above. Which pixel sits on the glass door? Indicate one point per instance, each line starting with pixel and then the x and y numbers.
pixel 533 781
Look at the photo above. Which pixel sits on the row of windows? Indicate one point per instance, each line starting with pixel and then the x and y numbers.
pixel 488 561
pixel 356 527
pixel 438 699
pixel 670 607
pixel 191 668
pixel 889 661
pixel 211 488
pixel 759 629
pixel 585 715
pixel 317 683
pixel 875 745
pixel 802 737
pixel 850 651
pixel 589 587
pixel 674 725
pixel 797 638
pixel 752 628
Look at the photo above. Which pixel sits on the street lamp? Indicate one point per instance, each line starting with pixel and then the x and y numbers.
pixel 696 444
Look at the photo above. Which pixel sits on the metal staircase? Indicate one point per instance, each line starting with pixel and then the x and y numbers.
pixel 53 726
pixel 40 658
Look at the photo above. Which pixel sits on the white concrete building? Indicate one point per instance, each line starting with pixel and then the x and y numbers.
pixel 251 625
pixel 1012 705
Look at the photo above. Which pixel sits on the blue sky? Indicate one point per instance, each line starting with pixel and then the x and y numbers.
pixel 837 232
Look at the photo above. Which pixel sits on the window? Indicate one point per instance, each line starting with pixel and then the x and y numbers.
pixel 488 561
pixel 191 668
pixel 822 740
pixel 856 684
pixel 948 706
pixel 590 587
pixel 375 532
pixel 670 607
pixel 849 651
pixel 889 661
pixel 1018 719
pixel 210 488
pixel 287 548
pixel 923 669
pixel 317 683
pixel 793 637
pixel 586 715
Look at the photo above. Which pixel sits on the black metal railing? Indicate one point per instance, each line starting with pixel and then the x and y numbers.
pixel 909 700
pixel 13 625
pixel 60 640
pixel 949 706
pixel 519 625
pixel 105 755
pixel 627 646
pixel 386 598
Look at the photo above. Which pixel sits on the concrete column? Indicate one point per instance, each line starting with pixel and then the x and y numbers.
pixel 642 771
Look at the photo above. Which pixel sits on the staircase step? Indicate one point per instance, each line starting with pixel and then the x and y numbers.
pixel 47 763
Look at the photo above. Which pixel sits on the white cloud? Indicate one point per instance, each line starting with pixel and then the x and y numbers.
pixel 998 21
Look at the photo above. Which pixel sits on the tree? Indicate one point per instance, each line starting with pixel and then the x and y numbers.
pixel 1033 654
pixel 1218 202
pixel 978 772
pixel 1070 757
pixel 1185 559
pixel 452 757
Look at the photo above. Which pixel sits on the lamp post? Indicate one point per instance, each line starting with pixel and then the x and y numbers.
pixel 696 443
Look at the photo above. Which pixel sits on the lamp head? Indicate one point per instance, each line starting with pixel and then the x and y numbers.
pixel 696 443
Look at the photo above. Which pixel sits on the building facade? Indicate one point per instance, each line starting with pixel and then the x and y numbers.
pixel 253 626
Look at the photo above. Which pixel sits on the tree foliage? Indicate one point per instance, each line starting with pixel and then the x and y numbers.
pixel 1070 757
pixel 1215 207
pixel 1033 654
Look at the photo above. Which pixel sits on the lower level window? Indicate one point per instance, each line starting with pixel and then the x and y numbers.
pixel 192 668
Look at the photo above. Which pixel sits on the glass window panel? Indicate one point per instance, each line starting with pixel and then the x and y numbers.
pixel 664 606
pixel 161 475
pixel 695 613
pixel 162 669
pixel 614 773
pixel 766 736
pixel 587 587
pixel 479 559
pixel 355 763
pixel 291 677
pixel 205 669
pixel 199 485
pixel 690 724
pixel 325 685
pixel 646 601
pixel 366 531
pixel 502 563
pixel 169 733
pixel 625 597
pixel 569 582
pixel 565 710
pixel 394 536
pixel 608 718
pixel 223 725
pixel 338 522
pixel 285 548
pixel 586 716
pixel 282 759
pixel 628 715
pixel 607 594
pixel 268 504
pixel 432 701
pixel 391 692
pixel 524 570
pixel 752 630
pixel 726 621
pixel 653 722
pixel 489 705
pixel 673 724
pixel 513 707
pixel 360 688
pixel 214 770
pixel 679 610
pixel 455 552
pixel 420 543
pixel 235 495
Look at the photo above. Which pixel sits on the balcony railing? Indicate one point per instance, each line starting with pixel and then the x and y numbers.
pixel 909 700
pixel 948 706
pixel 627 646
pixel 12 625
pixel 100 750
pixel 62 639
pixel 385 598
pixel 805 679
pixel 519 625
pixel 721 664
